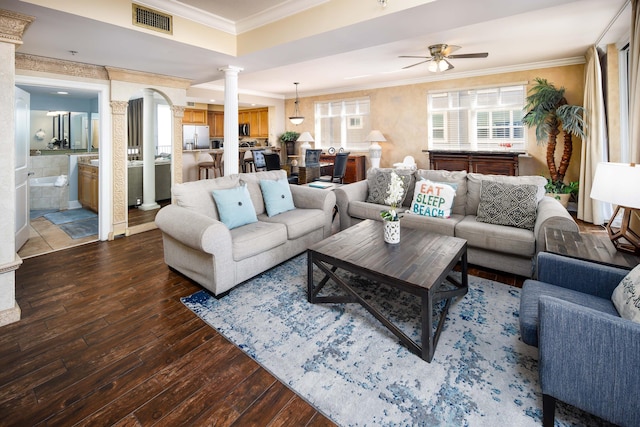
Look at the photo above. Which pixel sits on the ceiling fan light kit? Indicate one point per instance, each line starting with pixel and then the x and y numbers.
pixel 296 119
pixel 440 54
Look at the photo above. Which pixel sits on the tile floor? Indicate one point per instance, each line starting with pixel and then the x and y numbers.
pixel 47 237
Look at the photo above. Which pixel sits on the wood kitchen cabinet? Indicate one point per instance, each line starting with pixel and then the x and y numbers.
pixel 215 120
pixel 194 117
pixel 356 166
pixel 485 162
pixel 258 119
pixel 88 186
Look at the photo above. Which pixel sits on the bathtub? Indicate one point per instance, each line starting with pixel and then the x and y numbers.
pixel 45 181
pixel 45 194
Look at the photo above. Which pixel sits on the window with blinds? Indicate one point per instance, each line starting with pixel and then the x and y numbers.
pixel 342 124
pixel 477 119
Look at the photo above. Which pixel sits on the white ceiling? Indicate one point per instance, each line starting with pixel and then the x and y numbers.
pixel 517 34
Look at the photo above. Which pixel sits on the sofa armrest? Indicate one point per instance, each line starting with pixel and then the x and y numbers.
pixel 588 359
pixel 345 194
pixel 579 275
pixel 195 230
pixel 312 198
pixel 551 213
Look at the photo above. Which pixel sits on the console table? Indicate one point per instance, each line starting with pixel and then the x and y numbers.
pixel 356 166
pixel 486 162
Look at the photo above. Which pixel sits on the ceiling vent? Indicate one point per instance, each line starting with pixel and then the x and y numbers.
pixel 152 19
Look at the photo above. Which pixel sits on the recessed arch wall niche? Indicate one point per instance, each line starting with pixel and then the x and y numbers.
pixel 124 85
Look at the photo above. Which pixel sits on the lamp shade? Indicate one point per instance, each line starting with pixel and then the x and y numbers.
pixel 616 183
pixel 305 137
pixel 375 136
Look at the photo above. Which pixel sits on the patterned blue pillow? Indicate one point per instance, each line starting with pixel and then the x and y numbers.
pixel 235 207
pixel 277 196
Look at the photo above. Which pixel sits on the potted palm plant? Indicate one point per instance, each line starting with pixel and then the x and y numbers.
pixel 289 138
pixel 549 112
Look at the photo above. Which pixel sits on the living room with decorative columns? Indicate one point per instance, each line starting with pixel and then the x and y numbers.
pixel 12 28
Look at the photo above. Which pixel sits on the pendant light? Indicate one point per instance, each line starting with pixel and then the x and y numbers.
pixel 296 119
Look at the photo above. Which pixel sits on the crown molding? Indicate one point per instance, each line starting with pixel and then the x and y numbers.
pixel 436 77
pixel 273 14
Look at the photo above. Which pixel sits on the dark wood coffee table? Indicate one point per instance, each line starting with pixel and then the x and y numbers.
pixel 419 264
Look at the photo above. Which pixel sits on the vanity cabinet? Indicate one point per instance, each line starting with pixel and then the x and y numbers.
pixel 88 186
pixel 194 117
pixel 485 162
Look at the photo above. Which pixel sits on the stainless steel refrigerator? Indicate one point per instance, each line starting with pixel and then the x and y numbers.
pixel 195 137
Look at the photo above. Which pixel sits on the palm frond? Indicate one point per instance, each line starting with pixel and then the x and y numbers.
pixel 572 117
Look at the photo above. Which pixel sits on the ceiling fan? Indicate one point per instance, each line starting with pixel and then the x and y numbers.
pixel 440 53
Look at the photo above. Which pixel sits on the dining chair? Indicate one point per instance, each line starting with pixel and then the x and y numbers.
pixel 339 169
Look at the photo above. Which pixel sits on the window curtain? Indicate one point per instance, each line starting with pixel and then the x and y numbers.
pixel 634 84
pixel 595 144
pixel 134 123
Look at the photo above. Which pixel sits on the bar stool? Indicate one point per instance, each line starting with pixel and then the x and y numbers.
pixel 218 164
pixel 206 167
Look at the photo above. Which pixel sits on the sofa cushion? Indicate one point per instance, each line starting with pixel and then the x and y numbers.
pixel 454 177
pixel 379 180
pixel 234 206
pixel 299 222
pixel 432 198
pixel 255 238
pixel 445 226
pixel 497 238
pixel 626 296
pixel 277 196
pixel 366 210
pixel 508 204
pixel 474 183
pixel 197 195
pixel 530 296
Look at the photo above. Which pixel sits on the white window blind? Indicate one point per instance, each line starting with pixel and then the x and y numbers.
pixel 477 119
pixel 342 124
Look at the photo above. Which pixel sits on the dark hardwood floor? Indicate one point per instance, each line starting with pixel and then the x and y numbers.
pixel 105 340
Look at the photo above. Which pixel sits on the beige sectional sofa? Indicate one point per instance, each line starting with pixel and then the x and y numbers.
pixel 200 246
pixel 500 247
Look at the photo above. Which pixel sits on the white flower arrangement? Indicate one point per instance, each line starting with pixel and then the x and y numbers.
pixel 394 196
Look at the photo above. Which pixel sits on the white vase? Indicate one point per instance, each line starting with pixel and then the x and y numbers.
pixel 392 231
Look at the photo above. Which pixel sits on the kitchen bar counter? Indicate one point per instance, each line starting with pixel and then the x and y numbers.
pixel 191 158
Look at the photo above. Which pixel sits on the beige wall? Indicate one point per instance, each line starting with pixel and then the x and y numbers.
pixel 400 113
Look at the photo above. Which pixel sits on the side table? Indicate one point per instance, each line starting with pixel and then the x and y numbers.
pixel 588 246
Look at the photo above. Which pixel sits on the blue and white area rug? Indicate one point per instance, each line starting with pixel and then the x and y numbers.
pixel 352 369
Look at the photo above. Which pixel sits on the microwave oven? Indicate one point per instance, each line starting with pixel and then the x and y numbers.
pixel 243 129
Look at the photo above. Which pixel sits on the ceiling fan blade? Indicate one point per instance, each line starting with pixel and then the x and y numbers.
pixel 417 63
pixel 449 49
pixel 469 55
pixel 411 56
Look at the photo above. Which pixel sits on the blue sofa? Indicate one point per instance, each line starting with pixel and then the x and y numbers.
pixel 588 354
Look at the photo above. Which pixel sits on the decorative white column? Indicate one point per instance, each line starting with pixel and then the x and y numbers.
pixel 12 27
pixel 231 149
pixel 148 153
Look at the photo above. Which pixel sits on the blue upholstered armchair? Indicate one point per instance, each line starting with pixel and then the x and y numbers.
pixel 589 355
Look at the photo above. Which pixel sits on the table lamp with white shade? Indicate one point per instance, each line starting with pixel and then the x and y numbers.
pixel 305 138
pixel 617 183
pixel 375 150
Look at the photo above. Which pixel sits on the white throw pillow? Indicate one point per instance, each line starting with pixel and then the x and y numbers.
pixel 433 198
pixel 626 296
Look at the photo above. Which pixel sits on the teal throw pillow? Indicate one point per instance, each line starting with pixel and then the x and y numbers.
pixel 277 196
pixel 234 206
